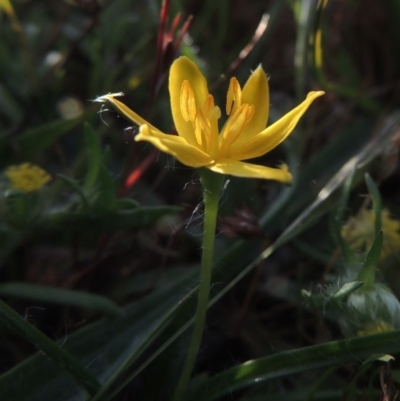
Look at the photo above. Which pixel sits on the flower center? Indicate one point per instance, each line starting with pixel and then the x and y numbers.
pixel 239 116
pixel 204 119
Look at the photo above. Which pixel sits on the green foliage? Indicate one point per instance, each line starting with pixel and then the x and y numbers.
pixel 99 267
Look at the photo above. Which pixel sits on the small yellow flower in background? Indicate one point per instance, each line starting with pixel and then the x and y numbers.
pixel 199 142
pixel 27 177
pixel 359 232
pixel 374 328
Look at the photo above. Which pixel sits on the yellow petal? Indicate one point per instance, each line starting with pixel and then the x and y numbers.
pixel 272 136
pixel 256 93
pixel 247 170
pixel 176 146
pixel 125 110
pixel 183 69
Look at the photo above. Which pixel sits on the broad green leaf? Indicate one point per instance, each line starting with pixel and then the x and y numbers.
pixel 79 299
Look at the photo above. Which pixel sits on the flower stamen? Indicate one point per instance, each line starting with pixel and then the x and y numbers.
pixel 203 119
pixel 235 125
pixel 200 143
pixel 233 97
pixel 187 102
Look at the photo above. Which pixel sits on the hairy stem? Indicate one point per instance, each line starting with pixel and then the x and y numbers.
pixel 212 184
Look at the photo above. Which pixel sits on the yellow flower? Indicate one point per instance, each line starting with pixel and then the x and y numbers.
pixel 360 232
pixel 27 177
pixel 243 136
pixel 376 327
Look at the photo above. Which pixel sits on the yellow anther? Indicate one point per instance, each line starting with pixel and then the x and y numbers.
pixel 187 102
pixel 250 113
pixel 233 97
pixel 202 128
pixel 210 111
pixel 215 113
pixel 208 104
pixel 198 131
pixel 235 126
pixel 238 121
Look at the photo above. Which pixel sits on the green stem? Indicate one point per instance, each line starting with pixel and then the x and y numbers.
pixel 212 185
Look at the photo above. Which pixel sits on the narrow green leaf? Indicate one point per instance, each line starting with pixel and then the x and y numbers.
pixel 348 253
pixel 125 203
pixel 376 202
pixel 305 25
pixel 379 357
pixel 10 106
pixel 367 273
pixel 106 189
pixel 347 91
pixel 36 140
pixel 94 156
pixel 295 361
pixel 105 346
pixel 102 347
pixel 344 198
pixel 107 220
pixel 352 385
pixel 360 162
pixel 74 185
pixel 336 233
pixel 229 278
pixel 79 299
pixel 12 320
pixel 309 395
pixel 323 299
pixel 138 217
pixel 347 289
pixel 10 240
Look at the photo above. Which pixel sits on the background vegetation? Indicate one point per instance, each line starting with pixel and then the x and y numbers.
pixel 98 269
